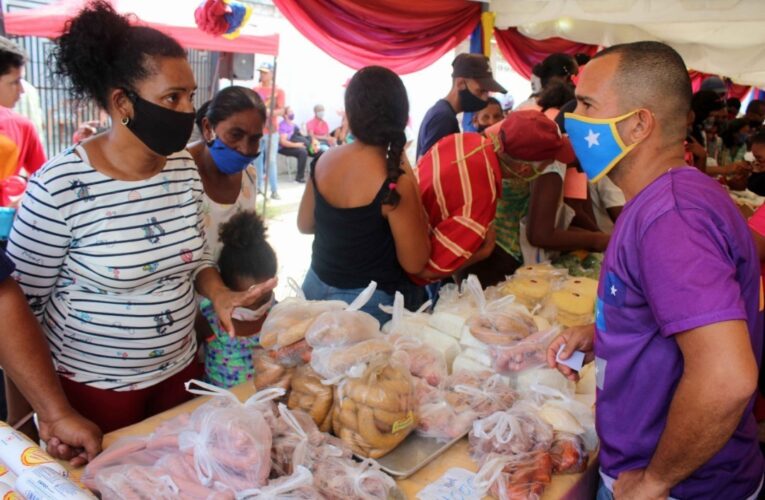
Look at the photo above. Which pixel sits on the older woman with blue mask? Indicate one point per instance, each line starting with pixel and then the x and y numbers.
pixel 232 126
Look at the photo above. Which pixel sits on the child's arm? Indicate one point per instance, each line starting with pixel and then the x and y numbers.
pixel 543 206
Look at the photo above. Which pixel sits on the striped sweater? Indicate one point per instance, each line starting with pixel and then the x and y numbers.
pixel 108 266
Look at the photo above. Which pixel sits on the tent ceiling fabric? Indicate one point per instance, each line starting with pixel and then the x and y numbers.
pixel 725 37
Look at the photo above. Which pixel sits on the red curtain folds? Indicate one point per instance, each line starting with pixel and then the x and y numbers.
pixel 403 35
pixel 734 89
pixel 523 52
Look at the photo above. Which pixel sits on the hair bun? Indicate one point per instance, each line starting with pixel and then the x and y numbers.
pixel 243 230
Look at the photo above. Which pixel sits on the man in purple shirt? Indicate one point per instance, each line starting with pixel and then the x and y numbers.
pixel 678 327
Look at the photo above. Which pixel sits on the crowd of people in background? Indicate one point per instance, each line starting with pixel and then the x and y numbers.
pixel 133 247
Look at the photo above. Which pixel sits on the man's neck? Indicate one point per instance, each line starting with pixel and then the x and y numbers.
pixel 639 173
pixel 453 98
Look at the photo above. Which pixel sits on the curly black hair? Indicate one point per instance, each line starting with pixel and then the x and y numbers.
pixel 100 50
pixel 246 253
pixel 378 109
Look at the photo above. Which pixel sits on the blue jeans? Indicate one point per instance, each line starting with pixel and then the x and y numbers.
pixel 272 152
pixel 603 492
pixel 315 289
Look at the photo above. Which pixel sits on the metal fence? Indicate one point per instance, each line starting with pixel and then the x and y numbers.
pixel 61 114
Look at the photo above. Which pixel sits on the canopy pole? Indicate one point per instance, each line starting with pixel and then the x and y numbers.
pixel 269 120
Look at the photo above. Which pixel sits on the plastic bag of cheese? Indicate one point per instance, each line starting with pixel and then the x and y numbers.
pixel 456 305
pixel 404 322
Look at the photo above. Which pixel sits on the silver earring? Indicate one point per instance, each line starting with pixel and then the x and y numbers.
pixel 125 120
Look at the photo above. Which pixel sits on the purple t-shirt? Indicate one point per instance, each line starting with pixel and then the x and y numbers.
pixel 286 128
pixel 681 257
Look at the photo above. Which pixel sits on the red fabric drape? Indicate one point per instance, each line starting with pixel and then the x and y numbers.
pixel 403 35
pixel 734 89
pixel 523 52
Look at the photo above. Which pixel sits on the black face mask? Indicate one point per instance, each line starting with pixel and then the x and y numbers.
pixel 469 102
pixel 163 130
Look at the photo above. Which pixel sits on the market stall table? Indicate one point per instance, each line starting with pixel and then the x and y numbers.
pixel 570 487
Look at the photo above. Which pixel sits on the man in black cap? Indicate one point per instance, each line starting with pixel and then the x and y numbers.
pixel 472 81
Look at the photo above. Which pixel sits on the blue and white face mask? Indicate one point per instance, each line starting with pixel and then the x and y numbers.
pixel 597 143
pixel 228 160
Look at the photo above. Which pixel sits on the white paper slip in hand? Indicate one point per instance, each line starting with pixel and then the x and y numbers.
pixel 575 362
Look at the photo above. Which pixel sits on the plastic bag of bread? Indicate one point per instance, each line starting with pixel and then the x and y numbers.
pixel 268 372
pixel 422 360
pixel 311 396
pixel 289 320
pixel 501 322
pixel 517 430
pixel 344 327
pixel 341 478
pixel 297 486
pixel 292 355
pixel 530 352
pixel 375 412
pixel 350 361
pixel 569 454
pixel 517 477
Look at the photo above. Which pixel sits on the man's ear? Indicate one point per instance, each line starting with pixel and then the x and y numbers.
pixel 642 124
pixel 460 83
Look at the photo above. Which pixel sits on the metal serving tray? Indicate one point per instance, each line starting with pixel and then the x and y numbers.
pixel 414 453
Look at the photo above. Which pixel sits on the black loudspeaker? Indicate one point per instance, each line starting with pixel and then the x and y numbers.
pixel 237 66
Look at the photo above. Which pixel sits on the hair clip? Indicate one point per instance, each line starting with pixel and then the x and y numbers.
pixel 392 186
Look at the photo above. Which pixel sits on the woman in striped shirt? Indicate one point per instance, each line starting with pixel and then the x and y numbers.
pixel 109 242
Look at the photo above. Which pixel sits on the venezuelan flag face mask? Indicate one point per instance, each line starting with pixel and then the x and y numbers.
pixel 597 143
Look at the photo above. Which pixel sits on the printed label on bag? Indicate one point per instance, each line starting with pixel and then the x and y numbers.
pixel 455 484
pixel 402 424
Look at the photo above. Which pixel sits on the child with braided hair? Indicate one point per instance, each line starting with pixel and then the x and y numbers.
pixel 363 204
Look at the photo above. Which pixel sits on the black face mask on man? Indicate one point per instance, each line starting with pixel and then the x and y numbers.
pixel 162 130
pixel 469 102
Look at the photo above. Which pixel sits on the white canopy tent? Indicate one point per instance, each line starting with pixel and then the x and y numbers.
pixel 725 37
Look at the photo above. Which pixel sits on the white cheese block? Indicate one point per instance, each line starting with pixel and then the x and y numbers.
pixel 467 339
pixel 448 323
pixel 560 419
pixel 480 355
pixel 542 324
pixel 444 344
pixel 548 377
pixel 464 363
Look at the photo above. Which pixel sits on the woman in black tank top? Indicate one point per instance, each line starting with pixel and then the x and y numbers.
pixel 363 202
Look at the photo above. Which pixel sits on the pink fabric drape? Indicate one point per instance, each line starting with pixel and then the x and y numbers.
pixel 734 89
pixel 402 35
pixel 523 53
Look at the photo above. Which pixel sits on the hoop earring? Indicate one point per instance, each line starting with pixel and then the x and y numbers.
pixel 125 120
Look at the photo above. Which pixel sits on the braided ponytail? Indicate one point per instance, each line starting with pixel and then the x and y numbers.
pixel 378 109
pixel 393 167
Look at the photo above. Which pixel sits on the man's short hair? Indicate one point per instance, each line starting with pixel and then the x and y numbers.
pixel 652 75
pixel 11 56
pixel 318 107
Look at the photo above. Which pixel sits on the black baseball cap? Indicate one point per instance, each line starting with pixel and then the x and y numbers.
pixel 476 67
